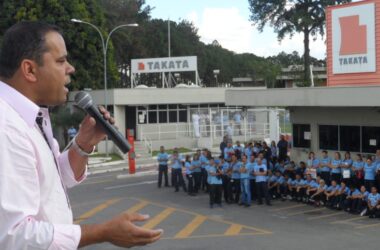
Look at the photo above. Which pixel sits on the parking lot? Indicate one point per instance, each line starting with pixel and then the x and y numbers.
pixel 189 223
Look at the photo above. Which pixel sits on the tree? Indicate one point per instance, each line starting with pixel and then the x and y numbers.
pixel 288 17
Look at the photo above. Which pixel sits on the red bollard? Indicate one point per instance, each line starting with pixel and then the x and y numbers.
pixel 131 153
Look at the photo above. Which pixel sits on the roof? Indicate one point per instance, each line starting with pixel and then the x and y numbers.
pixel 363 96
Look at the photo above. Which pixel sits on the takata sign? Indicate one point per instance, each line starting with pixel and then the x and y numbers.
pixel 353 39
pixel 165 64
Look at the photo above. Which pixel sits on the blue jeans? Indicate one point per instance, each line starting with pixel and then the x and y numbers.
pixel 245 191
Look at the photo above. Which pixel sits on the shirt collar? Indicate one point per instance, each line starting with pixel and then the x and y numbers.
pixel 27 109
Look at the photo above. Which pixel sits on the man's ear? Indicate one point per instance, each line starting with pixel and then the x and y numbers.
pixel 29 69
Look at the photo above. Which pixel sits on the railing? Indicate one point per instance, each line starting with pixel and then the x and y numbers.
pixel 244 131
pixel 148 144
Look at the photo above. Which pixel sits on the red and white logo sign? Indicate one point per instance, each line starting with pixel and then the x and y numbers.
pixel 354 39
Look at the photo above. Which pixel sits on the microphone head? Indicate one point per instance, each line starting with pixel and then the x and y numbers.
pixel 83 99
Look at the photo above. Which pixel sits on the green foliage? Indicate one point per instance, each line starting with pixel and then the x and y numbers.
pixel 290 17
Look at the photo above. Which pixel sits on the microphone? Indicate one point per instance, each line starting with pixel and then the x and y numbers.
pixel 84 101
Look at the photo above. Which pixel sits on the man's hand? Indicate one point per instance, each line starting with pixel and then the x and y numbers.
pixel 120 231
pixel 89 133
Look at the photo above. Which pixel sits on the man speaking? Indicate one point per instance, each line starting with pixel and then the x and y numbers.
pixel 35 211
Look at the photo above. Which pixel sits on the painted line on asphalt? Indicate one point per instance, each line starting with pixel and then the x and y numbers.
pixel 234 229
pixel 96 210
pixel 137 207
pixel 130 185
pixel 191 227
pixel 306 211
pixel 289 207
pixel 158 218
pixel 349 220
pixel 215 236
pixel 368 226
pixel 325 216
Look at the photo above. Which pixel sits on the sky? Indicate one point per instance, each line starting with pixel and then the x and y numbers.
pixel 227 21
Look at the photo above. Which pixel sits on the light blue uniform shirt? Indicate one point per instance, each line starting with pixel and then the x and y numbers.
pixel 204 161
pixel 245 175
pixel 225 167
pixel 272 178
pixel 369 172
pixel 299 183
pixel 239 148
pixel 176 163
pixel 314 184
pixel 355 192
pixel 281 180
pixel 309 183
pixel 248 152
pixel 227 153
pixel 235 170
pixel 331 188
pixel 324 162
pixel 257 170
pixel 251 166
pixel 162 159
pixel 358 165
pixel 188 166
pixel 346 191
pixel 336 163
pixel 373 199
pixel 212 180
pixel 196 163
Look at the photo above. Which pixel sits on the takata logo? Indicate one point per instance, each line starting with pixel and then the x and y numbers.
pixel 141 66
pixel 354 39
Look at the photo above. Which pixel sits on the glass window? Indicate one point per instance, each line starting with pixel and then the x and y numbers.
pixel 183 116
pixel 328 137
pixel 182 106
pixel 162 107
pixel 141 107
pixel 370 139
pixel 152 116
pixel 349 138
pixel 173 116
pixel 204 105
pixel 172 106
pixel 163 116
pixel 152 107
pixel 301 135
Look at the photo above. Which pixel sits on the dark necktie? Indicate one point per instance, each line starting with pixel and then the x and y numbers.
pixel 39 121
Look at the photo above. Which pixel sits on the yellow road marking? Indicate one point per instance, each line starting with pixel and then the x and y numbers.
pixel 137 207
pixel 159 218
pixel 234 229
pixel 349 220
pixel 290 207
pixel 208 218
pixel 191 227
pixel 96 210
pixel 307 211
pixel 324 216
pixel 368 226
pixel 215 236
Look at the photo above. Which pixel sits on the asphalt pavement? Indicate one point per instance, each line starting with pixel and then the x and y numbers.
pixel 189 223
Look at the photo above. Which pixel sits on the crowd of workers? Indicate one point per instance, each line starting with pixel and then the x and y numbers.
pixel 258 171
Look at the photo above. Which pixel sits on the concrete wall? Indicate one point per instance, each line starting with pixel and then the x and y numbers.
pixel 329 116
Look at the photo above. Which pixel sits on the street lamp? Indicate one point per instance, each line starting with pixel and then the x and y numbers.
pixel 105 47
pixel 216 73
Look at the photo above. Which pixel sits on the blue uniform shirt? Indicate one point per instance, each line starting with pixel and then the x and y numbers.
pixel 281 180
pixel 197 164
pixel 163 158
pixel 248 152
pixel 272 178
pixel 369 172
pixel 251 166
pixel 331 188
pixel 176 162
pixel 257 170
pixel 245 175
pixel 314 184
pixel 204 161
pixel 212 179
pixel 336 163
pixel 373 199
pixel 225 167
pixel 235 170
pixel 188 166
pixel 358 165
pixel 324 162
pixel 228 152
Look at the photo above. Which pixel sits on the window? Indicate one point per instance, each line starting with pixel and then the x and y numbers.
pixel 301 135
pixel 370 139
pixel 172 106
pixel 152 116
pixel 349 138
pixel 173 116
pixel 162 116
pixel 183 116
pixel 328 137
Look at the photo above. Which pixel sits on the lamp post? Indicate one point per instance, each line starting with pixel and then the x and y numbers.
pixel 105 47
